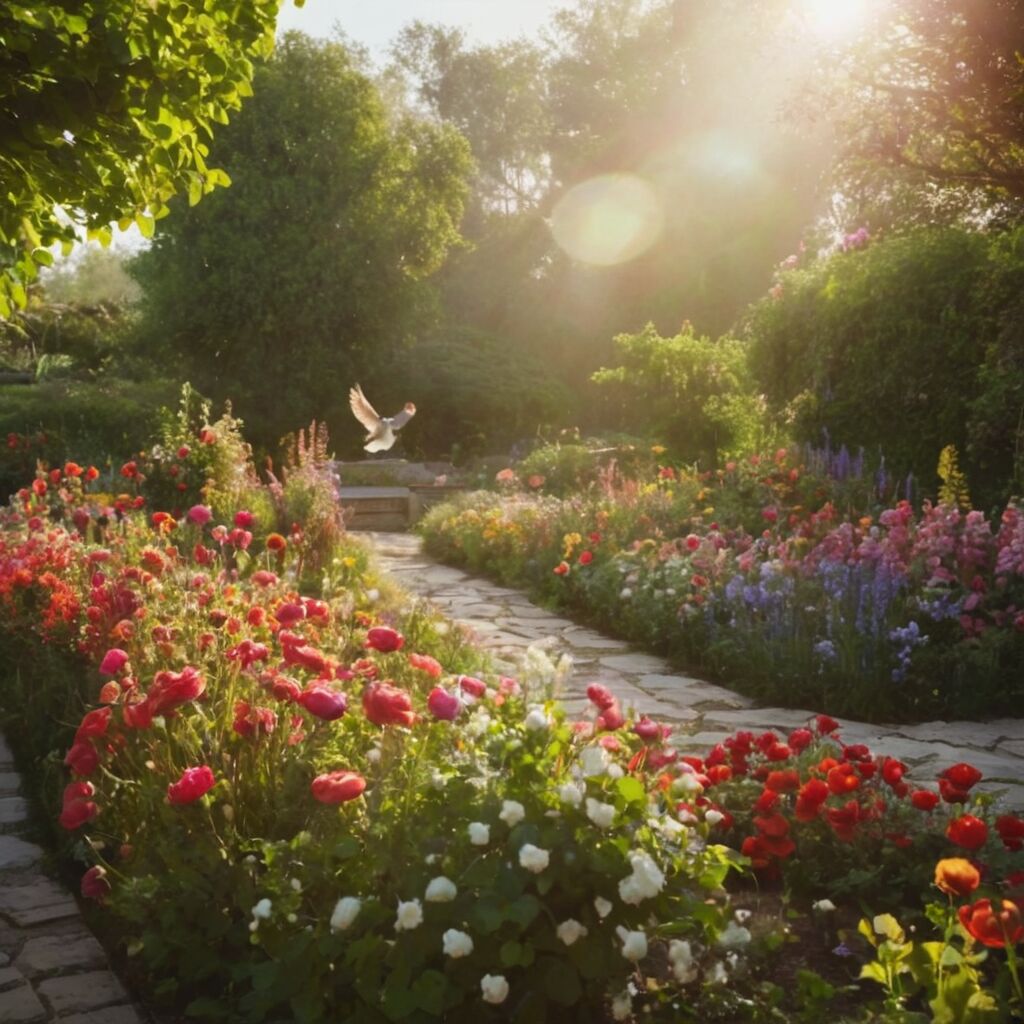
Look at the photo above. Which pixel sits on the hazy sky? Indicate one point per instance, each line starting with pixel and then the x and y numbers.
pixel 375 23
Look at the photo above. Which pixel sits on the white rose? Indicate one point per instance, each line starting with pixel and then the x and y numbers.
pixel 824 906
pixel 713 817
pixel 440 890
pixel 533 858
pixel 345 912
pixel 494 988
pixel 733 936
pixel 373 755
pixel 512 812
pixel 570 794
pixel 594 761
pixel 262 910
pixel 536 720
pixel 645 882
pixel 479 833
pixel 687 784
pixel 717 975
pixel 634 944
pixel 456 943
pixel 571 930
pixel 684 973
pixel 622 1006
pixel 615 771
pixel 410 915
pixel 603 907
pixel 680 952
pixel 602 815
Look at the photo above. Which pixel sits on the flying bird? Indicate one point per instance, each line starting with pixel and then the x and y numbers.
pixel 381 429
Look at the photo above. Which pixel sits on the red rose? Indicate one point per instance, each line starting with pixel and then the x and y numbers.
pixel 800 739
pixel 385 704
pixel 443 705
pixel 993 926
pixel 194 782
pixel 953 794
pixel 323 702
pixel 783 781
pixel 843 779
pixel 337 787
pixel 968 831
pixel 962 775
pixel 924 799
pixel 825 725
pixel 384 639
pixel 586 557
pixel 94 884
pixel 893 770
pixel 1011 831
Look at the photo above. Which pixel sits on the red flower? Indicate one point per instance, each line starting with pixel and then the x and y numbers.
pixel 443 705
pixel 82 758
pixel 825 725
pixel 844 820
pixel 993 927
pixel 561 569
pixel 893 770
pixel 953 794
pixel 924 799
pixel 337 787
pixel 275 542
pixel 1011 831
pixel 385 704
pixel 783 781
pixel 306 656
pixel 199 514
pixel 962 775
pixel 600 696
pixel 95 885
pixel 474 687
pixel 586 557
pixel 425 663
pixel 843 779
pixel 244 519
pixel 253 720
pixel 611 718
pixel 183 451
pixel 113 661
pixel 384 639
pixel 968 831
pixel 813 793
pixel 172 689
pixel 194 782
pixel 77 807
pixel 323 702
pixel 800 739
pixel 957 877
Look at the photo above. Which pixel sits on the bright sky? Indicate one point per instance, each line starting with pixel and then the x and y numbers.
pixel 375 23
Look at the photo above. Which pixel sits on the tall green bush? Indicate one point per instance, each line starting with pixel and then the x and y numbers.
pixel 904 346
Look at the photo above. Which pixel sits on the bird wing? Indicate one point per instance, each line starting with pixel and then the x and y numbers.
pixel 400 419
pixel 362 410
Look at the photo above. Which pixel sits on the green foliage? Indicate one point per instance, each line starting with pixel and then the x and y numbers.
pixel 953 490
pixel 921 329
pixel 92 275
pixel 309 272
pixel 107 110
pixel 693 393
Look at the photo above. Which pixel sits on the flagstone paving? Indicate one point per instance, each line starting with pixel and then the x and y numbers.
pixel 504 622
pixel 51 968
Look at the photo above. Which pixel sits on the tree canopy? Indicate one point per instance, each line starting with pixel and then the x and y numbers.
pixel 107 109
pixel 310 271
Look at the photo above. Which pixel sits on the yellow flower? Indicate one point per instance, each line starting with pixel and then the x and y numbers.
pixel 658 449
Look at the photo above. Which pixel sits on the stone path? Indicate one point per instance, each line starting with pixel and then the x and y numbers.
pixel 506 623
pixel 51 968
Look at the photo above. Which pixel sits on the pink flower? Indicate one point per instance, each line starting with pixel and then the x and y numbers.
pixel 113 661
pixel 384 639
pixel 385 704
pixel 95 885
pixel 323 702
pixel 172 689
pixel 290 613
pixel 244 519
pixel 199 514
pixel 443 705
pixel 337 787
pixel 425 663
pixel 194 782
pixel 474 687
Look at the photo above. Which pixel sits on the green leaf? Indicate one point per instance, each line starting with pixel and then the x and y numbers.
pixel 561 983
pixel 631 790
pixel 873 971
pixel 430 989
pixel 43 257
pixel 146 224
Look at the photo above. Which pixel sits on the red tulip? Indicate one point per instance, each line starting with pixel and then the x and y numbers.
pixel 385 704
pixel 323 701
pixel 384 639
pixel 337 787
pixel 968 831
pixel 194 782
pixel 94 884
pixel 993 926
pixel 924 799
pixel 443 705
pixel 962 775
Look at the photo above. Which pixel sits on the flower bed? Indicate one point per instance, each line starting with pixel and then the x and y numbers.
pixel 893 614
pixel 367 825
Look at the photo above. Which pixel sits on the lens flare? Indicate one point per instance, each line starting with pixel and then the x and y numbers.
pixel 608 220
pixel 835 19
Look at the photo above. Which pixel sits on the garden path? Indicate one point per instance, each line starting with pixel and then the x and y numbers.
pixel 51 967
pixel 505 623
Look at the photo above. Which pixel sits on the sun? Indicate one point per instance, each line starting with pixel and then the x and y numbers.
pixel 835 19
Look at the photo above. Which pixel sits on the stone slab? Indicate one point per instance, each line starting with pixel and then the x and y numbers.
pixel 10 782
pixel 37 902
pixel 635 664
pixel 21 1006
pixel 13 811
pixel 15 853
pixel 46 954
pixel 6 757
pixel 10 977
pixel 108 1015
pixel 78 993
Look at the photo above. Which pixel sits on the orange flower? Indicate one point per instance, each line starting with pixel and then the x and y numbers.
pixel 561 569
pixel 275 542
pixel 957 877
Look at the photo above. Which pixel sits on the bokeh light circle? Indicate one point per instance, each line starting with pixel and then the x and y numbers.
pixel 608 220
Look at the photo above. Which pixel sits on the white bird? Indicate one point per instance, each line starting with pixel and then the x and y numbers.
pixel 381 428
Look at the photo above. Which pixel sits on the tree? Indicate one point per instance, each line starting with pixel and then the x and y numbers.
pixel 934 109
pixel 107 109
pixel 310 272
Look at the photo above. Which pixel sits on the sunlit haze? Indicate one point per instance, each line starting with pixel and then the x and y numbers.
pixel 835 19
